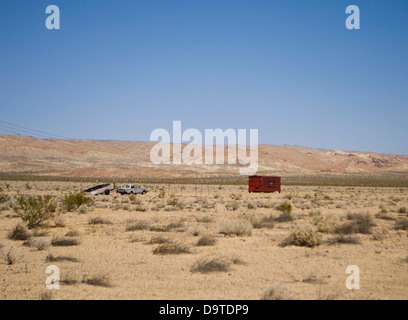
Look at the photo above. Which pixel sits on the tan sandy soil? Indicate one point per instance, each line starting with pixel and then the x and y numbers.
pixel 124 259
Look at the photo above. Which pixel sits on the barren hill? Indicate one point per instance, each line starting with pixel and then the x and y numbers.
pixel 90 158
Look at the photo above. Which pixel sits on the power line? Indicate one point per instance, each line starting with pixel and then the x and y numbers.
pixel 14 127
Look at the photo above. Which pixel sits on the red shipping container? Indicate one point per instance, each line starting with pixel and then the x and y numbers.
pixel 264 184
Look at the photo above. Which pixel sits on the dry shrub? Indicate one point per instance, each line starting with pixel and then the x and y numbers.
pixel 211 264
pixel 139 225
pixel 40 244
pixel 158 240
pixel 194 230
pixel 171 226
pixel 259 222
pixel 303 235
pixel 171 248
pixel 285 216
pixel 232 205
pixel 239 227
pixel 401 224
pixel 342 239
pixel 19 232
pixel 51 258
pixel 98 220
pixel 324 224
pixel 359 223
pixel 98 280
pixel 64 242
pixel 205 241
pixel 275 292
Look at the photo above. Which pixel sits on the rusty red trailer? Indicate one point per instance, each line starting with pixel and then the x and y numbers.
pixel 264 184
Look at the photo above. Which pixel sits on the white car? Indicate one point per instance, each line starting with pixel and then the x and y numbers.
pixel 132 189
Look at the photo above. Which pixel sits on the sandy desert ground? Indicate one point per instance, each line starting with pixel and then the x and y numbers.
pixel 209 242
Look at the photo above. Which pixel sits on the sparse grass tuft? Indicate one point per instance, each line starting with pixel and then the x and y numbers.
pixel 137 226
pixel 206 241
pixel 342 239
pixel 52 258
pixel 211 264
pixel 401 224
pixel 276 292
pixel 170 248
pixel 99 281
pixel 158 240
pixel 98 220
pixel 64 242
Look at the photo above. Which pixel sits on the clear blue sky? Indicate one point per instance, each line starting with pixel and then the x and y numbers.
pixel 118 69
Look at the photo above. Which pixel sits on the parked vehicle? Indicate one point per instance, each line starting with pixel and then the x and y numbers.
pixel 132 189
pixel 105 188
pixel 264 184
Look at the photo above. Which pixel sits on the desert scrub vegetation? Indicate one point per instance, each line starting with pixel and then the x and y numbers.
pixel 98 220
pixel 138 226
pixel 73 201
pixel 324 223
pixel 58 241
pixel 158 240
pixel 4 198
pixel 98 280
pixel 51 258
pixel 211 264
pixel 171 248
pixel 401 224
pixel 285 207
pixel 35 210
pixel 19 232
pixel 232 205
pixel 239 227
pixel 205 241
pixel 276 292
pixel 259 221
pixel 358 223
pixel 342 239
pixel 303 235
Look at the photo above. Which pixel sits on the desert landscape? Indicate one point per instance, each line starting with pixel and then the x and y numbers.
pixel 195 106
pixel 185 241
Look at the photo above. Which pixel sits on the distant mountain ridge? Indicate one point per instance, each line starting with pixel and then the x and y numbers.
pixel 114 158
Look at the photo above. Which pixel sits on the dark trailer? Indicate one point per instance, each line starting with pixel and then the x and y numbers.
pixel 264 184
pixel 105 188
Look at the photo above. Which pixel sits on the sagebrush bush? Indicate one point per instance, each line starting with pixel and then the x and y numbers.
pixel 35 210
pixel 239 227
pixel 73 201
pixel 324 224
pixel 303 235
